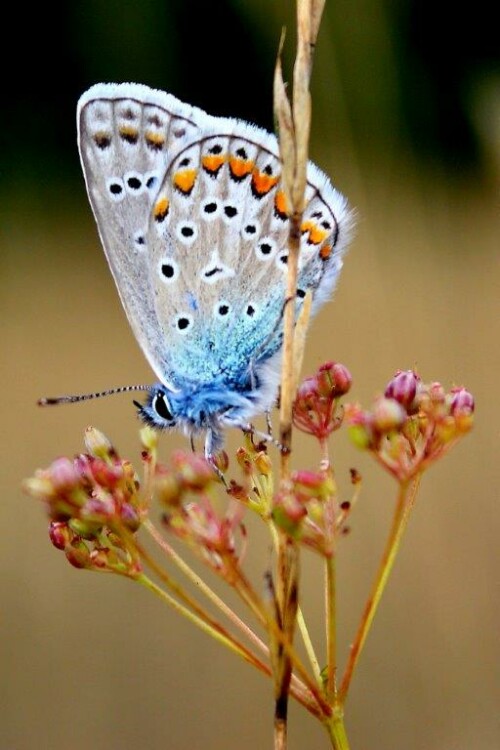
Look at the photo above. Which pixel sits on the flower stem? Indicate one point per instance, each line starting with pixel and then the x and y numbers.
pixel 224 639
pixel 204 588
pixel 336 731
pixel 406 498
pixel 301 623
pixel 331 627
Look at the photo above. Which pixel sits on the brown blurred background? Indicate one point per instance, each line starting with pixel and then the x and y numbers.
pixel 406 122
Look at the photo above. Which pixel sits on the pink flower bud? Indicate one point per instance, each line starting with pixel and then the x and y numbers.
pixel 388 415
pixel 130 517
pixel 338 378
pixel 436 393
pixel 195 471
pixel 77 553
pixel 105 474
pixel 315 404
pixel 403 387
pixel 64 475
pixel 60 535
pixel 462 402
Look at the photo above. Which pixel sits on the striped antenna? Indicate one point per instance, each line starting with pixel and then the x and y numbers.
pixel 53 401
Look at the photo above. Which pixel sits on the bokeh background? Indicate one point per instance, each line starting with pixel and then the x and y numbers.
pixel 407 123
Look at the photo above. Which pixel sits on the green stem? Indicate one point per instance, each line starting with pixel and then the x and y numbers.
pixel 301 624
pixel 308 644
pixel 406 498
pixel 336 730
pixel 331 627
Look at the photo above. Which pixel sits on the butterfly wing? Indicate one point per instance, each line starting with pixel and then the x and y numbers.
pixel 127 133
pixel 217 240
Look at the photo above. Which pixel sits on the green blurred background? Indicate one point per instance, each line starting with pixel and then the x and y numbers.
pixel 407 123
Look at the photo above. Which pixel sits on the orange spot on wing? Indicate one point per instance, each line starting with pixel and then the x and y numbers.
pixel 155 140
pixel 316 234
pixel 262 183
pixel 161 209
pixel 184 180
pixel 212 163
pixel 325 251
pixel 240 167
pixel 102 139
pixel 129 133
pixel 281 204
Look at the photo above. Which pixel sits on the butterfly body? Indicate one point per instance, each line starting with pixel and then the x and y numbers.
pixel 194 223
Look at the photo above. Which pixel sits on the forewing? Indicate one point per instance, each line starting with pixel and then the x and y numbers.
pixel 127 134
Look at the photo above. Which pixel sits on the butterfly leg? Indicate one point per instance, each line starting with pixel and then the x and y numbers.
pixel 269 424
pixel 267 437
pixel 214 441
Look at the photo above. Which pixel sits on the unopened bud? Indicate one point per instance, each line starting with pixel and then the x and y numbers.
pixel 462 402
pixel 60 535
pixel 63 474
pixel 388 415
pixel 97 443
pixel 403 387
pixel 334 379
pixel 78 554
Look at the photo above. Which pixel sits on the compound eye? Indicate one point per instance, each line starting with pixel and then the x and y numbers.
pixel 162 408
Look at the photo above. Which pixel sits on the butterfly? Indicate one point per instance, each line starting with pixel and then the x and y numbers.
pixel 193 218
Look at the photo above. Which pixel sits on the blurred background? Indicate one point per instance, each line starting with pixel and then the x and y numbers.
pixel 406 121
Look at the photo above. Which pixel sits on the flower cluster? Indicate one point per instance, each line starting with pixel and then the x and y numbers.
pixel 412 424
pixel 315 406
pixel 94 505
pixel 186 492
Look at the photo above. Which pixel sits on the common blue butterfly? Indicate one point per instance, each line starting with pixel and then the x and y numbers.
pixel 193 219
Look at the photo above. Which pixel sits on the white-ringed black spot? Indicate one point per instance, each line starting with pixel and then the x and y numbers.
pixel 241 153
pixel 316 215
pixel 168 270
pixel 215 149
pixel 222 309
pixel 326 225
pixel 151 181
pixel 185 162
pixel 282 260
pixel 215 270
pixel 265 248
pixel 301 293
pixel 250 311
pixel 116 188
pixel 210 207
pixel 230 211
pixel 179 132
pixel 250 229
pixel 184 323
pixel 186 232
pixel 268 169
pixel 134 183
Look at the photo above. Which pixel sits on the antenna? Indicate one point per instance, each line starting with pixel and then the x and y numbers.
pixel 53 401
